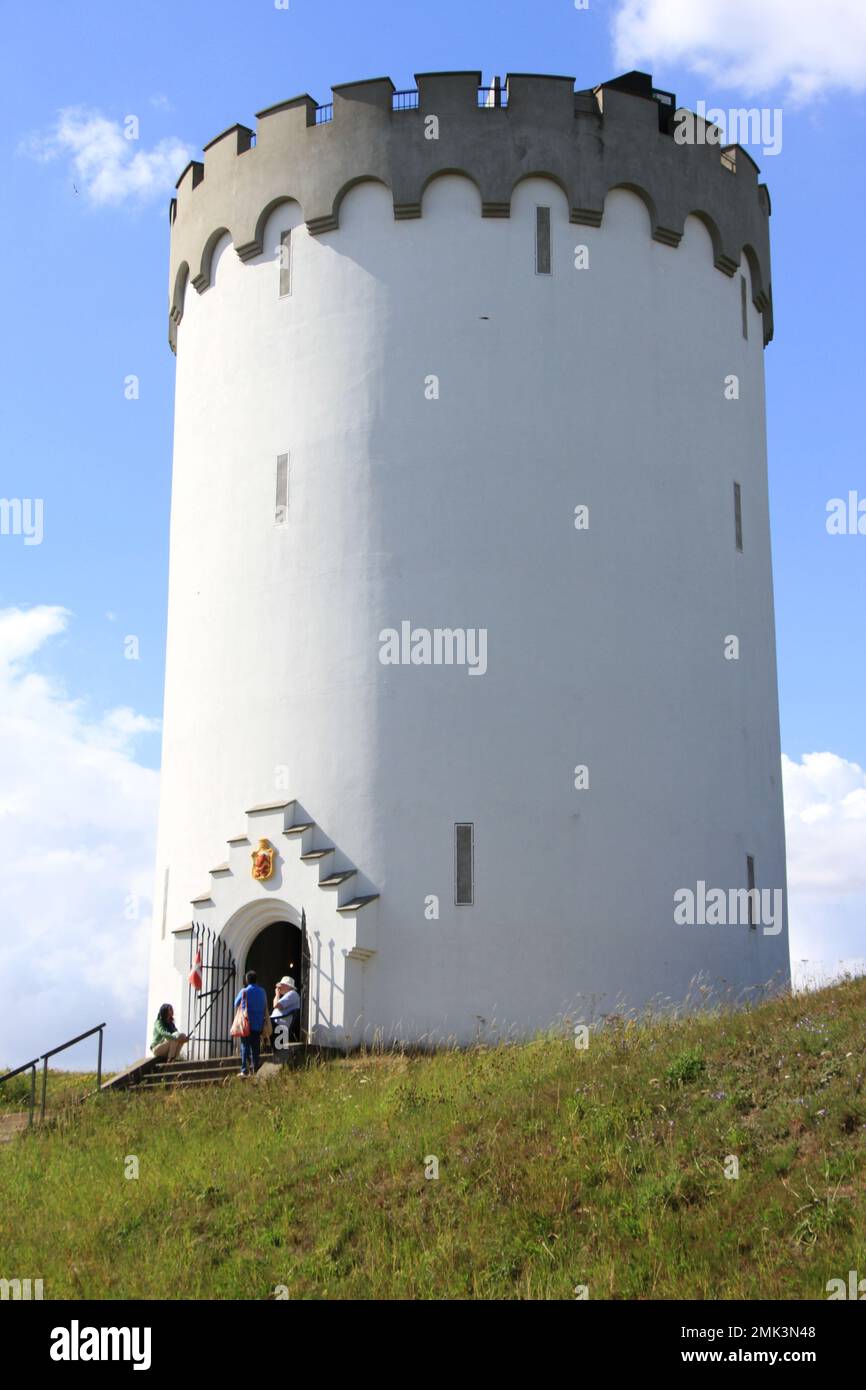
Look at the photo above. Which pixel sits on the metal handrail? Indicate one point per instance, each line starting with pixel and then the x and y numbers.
pixel 7 1075
pixel 72 1041
pixel 25 1066
pixel 52 1052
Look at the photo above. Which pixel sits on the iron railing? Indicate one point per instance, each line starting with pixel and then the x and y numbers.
pixel 405 101
pixel 52 1052
pixel 210 1033
pixel 495 96
pixel 324 113
pixel 7 1076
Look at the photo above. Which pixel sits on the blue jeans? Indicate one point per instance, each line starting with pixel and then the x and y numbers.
pixel 250 1052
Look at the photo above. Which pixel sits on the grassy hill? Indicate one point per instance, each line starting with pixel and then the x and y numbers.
pixel 557 1168
pixel 62 1086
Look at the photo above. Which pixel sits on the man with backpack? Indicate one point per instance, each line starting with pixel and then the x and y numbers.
pixel 254 1001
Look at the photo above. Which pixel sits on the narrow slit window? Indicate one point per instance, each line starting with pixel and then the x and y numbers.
pixel 738 516
pixel 744 305
pixel 750 879
pixel 285 263
pixel 542 241
pixel 464 864
pixel 281 511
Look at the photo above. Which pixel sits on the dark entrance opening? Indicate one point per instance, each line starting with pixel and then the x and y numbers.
pixel 279 950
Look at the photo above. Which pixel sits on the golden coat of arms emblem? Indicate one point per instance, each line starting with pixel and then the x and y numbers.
pixel 263 861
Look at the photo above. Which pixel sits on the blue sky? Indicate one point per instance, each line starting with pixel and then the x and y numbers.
pixel 85 297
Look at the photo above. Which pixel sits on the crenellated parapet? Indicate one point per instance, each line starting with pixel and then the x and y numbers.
pixel 618 135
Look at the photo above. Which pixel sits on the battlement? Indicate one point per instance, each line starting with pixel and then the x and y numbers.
pixel 617 135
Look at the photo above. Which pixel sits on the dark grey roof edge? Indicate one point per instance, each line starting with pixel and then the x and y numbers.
pixel 289 104
pixel 542 76
pixel 242 130
pixel 365 82
pixel 452 72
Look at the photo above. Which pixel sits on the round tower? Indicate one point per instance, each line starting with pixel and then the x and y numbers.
pixel 470 665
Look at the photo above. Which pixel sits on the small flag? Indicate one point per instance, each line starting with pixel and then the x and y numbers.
pixel 195 973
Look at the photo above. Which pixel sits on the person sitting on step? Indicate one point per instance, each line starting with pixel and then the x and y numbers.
pixel 167 1042
pixel 286 1013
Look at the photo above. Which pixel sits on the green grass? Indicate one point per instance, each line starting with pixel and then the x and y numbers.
pixel 62 1087
pixel 557 1167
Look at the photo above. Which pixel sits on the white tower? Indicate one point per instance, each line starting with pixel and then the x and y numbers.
pixel 470 613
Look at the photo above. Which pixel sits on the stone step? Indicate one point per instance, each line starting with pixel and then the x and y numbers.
pixel 229 1064
pixel 203 1076
pixel 130 1076
pixel 171 1083
pixel 357 903
pixel 194 1064
pixel 155 1079
pixel 221 1070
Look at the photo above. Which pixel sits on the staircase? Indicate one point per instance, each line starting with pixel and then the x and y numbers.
pixel 150 1075
pixel 206 1072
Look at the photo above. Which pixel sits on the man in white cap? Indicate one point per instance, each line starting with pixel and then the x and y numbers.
pixel 286 1013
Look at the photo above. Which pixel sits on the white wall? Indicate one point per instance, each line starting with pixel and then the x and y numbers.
pixel 601 386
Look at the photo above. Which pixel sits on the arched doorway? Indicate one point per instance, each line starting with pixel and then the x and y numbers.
pixel 278 950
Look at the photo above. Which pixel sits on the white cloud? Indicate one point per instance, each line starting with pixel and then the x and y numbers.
pixel 804 47
pixel 825 820
pixel 77 818
pixel 123 723
pixel 107 167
